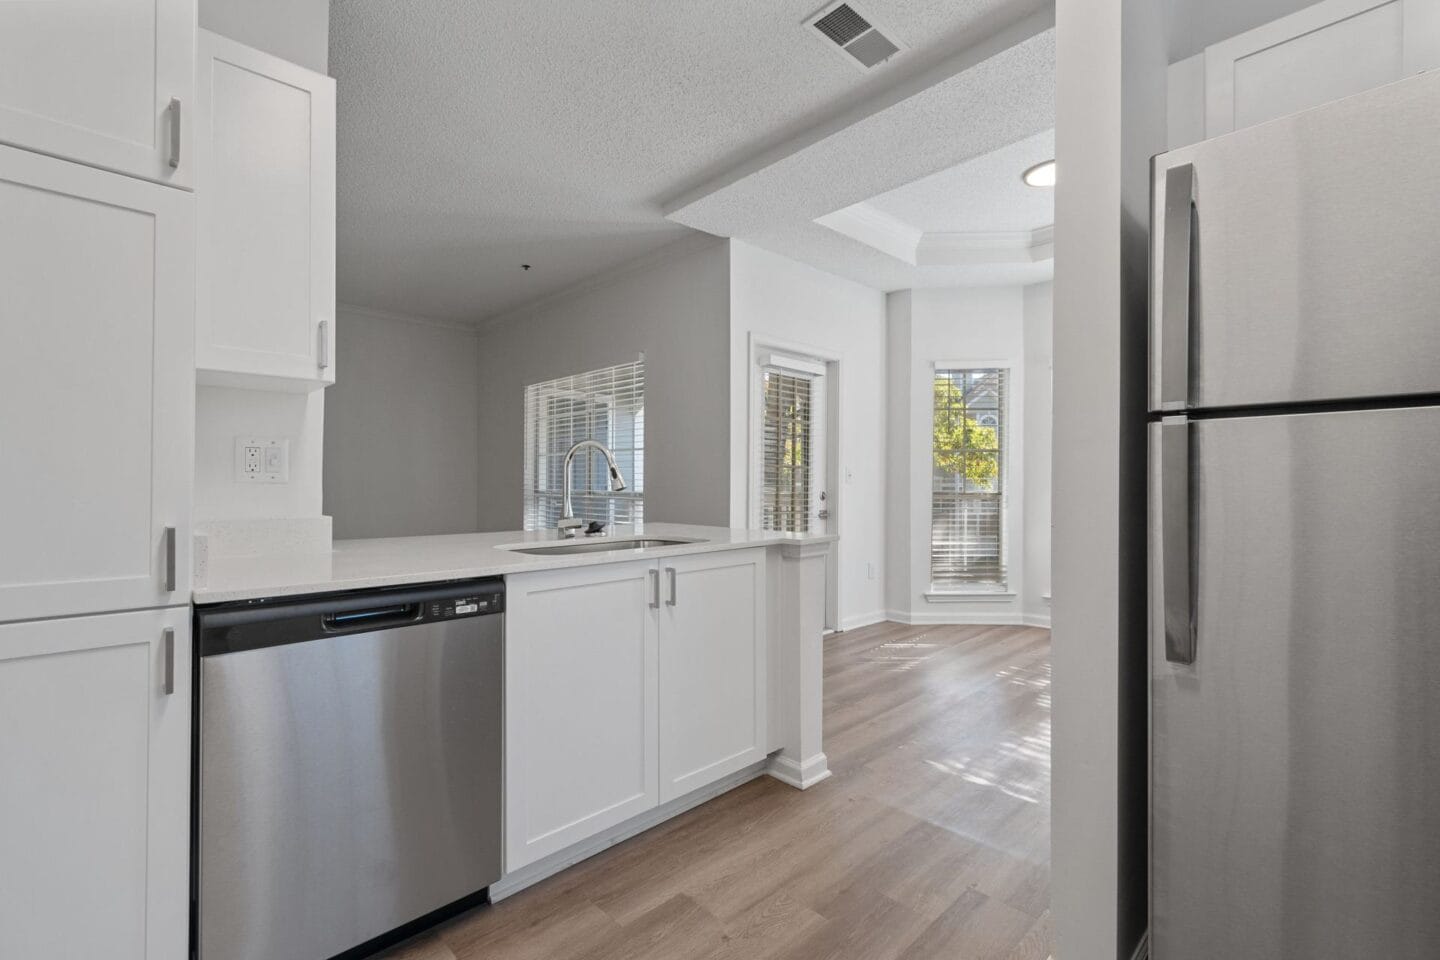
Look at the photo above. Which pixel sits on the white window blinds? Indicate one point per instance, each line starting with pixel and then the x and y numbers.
pixel 787 451
pixel 967 499
pixel 607 405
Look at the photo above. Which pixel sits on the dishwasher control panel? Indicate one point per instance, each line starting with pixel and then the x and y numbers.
pixel 253 625
pixel 467 606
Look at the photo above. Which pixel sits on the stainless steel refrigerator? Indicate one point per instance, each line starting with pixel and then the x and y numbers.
pixel 1295 537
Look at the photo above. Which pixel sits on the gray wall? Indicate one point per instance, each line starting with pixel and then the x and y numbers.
pixel 401 451
pixel 296 30
pixel 675 310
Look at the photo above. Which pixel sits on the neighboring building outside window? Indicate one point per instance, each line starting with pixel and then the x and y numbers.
pixel 607 405
pixel 967 499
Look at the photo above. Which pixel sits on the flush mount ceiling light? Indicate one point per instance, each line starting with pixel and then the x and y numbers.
pixel 1040 175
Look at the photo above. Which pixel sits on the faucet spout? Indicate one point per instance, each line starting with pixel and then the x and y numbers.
pixel 568 522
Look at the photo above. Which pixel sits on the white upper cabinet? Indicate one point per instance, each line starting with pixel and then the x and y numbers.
pixel 97 283
pixel 104 82
pixel 1324 52
pixel 265 186
pixel 712 668
pixel 95 790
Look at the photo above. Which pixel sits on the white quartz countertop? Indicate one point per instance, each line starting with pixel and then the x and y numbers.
pixel 360 564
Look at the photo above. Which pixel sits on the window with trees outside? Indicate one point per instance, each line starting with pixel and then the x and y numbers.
pixel 787 451
pixel 607 405
pixel 967 499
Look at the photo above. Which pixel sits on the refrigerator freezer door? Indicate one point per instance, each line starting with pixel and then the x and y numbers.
pixel 1295 764
pixel 1315 268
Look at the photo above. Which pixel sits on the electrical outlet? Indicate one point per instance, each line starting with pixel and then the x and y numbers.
pixel 869 571
pixel 262 459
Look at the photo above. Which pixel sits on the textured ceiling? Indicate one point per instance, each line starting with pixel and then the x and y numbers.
pixel 983 195
pixel 1004 95
pixel 476 137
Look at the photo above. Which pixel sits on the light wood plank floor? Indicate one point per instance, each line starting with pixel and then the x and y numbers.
pixel 931 840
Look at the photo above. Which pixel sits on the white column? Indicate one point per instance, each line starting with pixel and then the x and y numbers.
pixel 799 638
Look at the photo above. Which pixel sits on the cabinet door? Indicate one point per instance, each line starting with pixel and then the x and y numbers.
pixel 579 705
pixel 103 82
pixel 94 800
pixel 97 288
pixel 1321 52
pixel 712 668
pixel 265 189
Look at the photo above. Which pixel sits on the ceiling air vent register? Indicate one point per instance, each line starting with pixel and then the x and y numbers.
pixel 854 36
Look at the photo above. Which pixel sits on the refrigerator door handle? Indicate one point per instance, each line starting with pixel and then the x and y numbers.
pixel 1176 287
pixel 1178 542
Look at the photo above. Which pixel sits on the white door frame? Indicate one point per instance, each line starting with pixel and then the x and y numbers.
pixel 834 362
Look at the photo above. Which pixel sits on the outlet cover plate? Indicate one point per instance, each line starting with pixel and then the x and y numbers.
pixel 260 459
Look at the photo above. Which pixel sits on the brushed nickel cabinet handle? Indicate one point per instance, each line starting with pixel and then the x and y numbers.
pixel 670 572
pixel 174 111
pixel 323 351
pixel 654 589
pixel 168 641
pixel 170 559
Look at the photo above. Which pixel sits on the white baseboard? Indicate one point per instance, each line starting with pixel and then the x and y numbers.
pixel 531 874
pixel 958 617
pixel 929 618
pixel 858 620
pixel 798 775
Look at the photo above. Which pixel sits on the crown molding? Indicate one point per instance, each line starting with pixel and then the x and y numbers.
pixel 866 223
pixel 874 227
pixel 976 248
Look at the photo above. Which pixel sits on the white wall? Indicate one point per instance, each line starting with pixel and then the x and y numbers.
pixel 676 310
pixel 1039 359
pixel 1111 60
pixel 900 585
pixel 402 454
pixel 775 299
pixel 295 30
pixel 968 325
pixel 222 414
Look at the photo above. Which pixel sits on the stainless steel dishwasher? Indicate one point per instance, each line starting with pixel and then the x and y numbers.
pixel 348 765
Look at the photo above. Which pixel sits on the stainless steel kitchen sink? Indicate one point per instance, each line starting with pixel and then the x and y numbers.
pixel 599 546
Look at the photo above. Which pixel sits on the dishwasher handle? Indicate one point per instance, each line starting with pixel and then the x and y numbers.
pixel 371 618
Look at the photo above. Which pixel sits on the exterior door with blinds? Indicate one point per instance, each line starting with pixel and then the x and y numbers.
pixel 790 491
pixel 968 478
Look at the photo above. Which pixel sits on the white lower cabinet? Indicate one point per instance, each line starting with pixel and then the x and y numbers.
pixel 95 786
pixel 712 668
pixel 580 705
pixel 627 685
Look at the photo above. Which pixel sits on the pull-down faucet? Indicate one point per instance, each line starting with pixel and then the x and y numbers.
pixel 569 523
